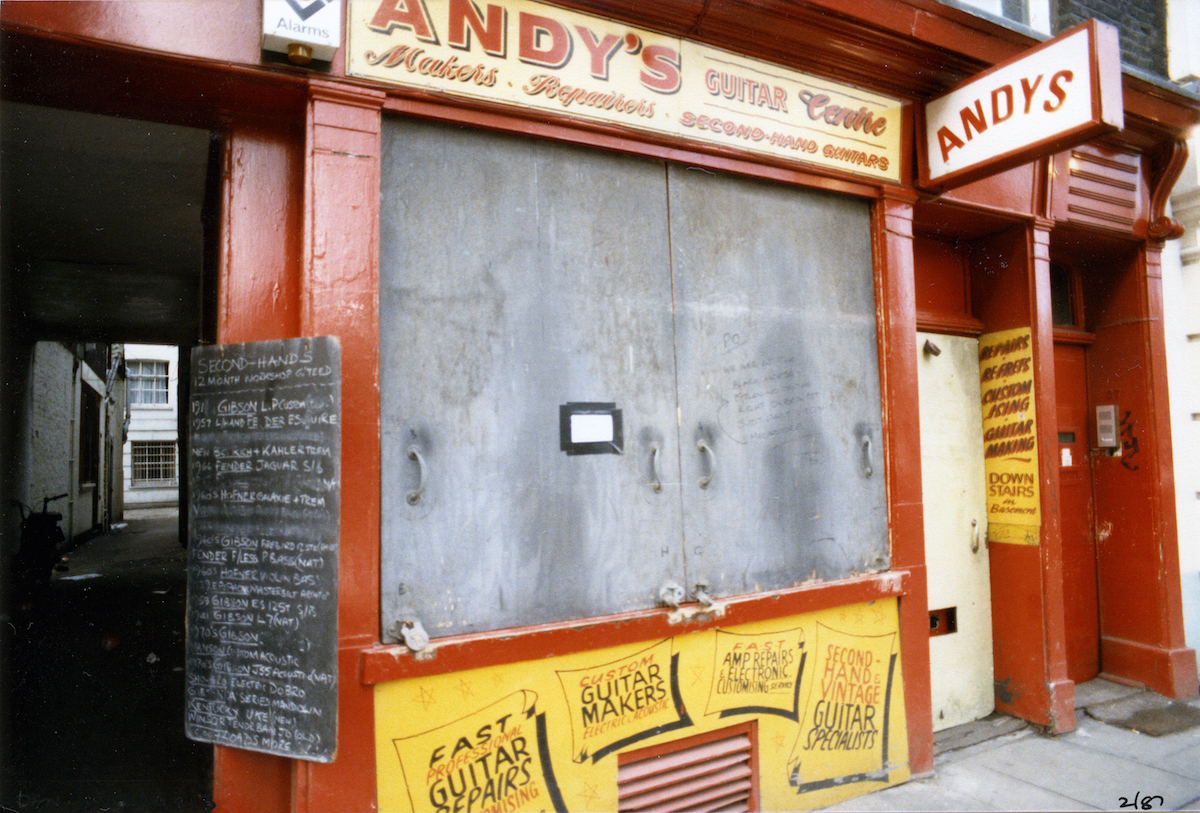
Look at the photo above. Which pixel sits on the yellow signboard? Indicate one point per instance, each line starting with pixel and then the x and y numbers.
pixel 1010 436
pixel 532 55
pixel 617 703
pixel 490 759
pixel 822 693
pixel 762 673
pixel 846 737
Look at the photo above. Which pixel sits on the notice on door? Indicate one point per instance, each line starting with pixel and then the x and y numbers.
pixel 1010 436
pixel 263 502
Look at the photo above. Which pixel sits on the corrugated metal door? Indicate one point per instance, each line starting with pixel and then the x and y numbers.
pixel 520 276
pixel 517 276
pixel 779 384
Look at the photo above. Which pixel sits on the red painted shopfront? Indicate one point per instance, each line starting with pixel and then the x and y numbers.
pixel 1056 260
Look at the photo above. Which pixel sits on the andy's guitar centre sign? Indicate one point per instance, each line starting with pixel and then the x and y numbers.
pixel 565 64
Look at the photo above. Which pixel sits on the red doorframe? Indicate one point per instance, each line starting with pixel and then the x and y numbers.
pixel 1080 591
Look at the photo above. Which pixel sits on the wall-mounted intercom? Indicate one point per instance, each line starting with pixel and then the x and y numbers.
pixel 1108 433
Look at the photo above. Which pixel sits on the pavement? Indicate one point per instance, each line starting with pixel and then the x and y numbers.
pixel 1130 748
pixel 95 685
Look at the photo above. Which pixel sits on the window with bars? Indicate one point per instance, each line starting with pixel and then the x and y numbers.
pixel 154 463
pixel 148 382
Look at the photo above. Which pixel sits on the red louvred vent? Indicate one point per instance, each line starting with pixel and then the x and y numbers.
pixel 716 771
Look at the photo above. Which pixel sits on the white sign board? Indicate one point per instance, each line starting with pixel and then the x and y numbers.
pixel 1061 93
pixel 314 24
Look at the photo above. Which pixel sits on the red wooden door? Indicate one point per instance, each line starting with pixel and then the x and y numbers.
pixel 1080 593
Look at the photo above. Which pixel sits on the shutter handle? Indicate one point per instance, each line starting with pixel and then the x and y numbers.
pixel 712 462
pixel 415 496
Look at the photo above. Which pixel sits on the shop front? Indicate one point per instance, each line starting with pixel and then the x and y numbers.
pixel 699 439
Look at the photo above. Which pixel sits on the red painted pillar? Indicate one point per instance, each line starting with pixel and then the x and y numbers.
pixel 258 300
pixel 1059 690
pixel 339 297
pixel 896 300
pixel 299 257
pixel 1011 288
pixel 1141 615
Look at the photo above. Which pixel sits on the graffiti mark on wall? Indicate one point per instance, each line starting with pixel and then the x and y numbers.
pixel 1129 442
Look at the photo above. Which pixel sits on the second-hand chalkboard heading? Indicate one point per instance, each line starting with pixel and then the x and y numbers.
pixel 243 370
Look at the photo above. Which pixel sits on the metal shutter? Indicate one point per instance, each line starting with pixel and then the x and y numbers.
pixel 710 772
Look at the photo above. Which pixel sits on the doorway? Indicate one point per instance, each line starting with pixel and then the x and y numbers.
pixel 105 242
pixel 1081 601
pixel 956 553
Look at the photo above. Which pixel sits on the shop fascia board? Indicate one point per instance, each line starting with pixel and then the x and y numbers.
pixel 911 48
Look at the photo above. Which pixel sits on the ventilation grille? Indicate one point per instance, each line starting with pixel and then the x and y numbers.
pixel 1102 190
pixel 717 771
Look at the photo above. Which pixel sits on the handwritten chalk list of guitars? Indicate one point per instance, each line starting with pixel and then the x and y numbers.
pixel 263 466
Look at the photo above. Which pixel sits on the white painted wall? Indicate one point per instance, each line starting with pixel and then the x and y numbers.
pixel 53 430
pixel 152 422
pixel 1181 323
pixel 53 442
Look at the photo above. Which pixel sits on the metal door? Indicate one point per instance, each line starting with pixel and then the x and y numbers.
pixel 780 429
pixel 1080 588
pixel 518 276
pixel 956 555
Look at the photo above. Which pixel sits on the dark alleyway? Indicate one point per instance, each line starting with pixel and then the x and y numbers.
pixel 97 681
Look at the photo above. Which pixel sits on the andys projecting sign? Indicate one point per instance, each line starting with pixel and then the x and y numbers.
pixel 1058 94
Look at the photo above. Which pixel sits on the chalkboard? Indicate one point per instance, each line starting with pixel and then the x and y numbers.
pixel 263 499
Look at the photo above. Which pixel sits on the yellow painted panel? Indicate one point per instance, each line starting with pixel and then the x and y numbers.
pixel 1014 534
pixel 1010 429
pixel 824 689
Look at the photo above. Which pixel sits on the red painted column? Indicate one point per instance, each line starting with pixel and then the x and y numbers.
pixel 1174 672
pixel 1011 288
pixel 896 300
pixel 1059 690
pixel 258 300
pixel 299 257
pixel 339 297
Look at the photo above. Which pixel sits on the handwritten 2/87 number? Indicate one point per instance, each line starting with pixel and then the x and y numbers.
pixel 1145 803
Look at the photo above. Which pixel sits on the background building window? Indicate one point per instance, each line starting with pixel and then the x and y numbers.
pixel 153 463
pixel 147 382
